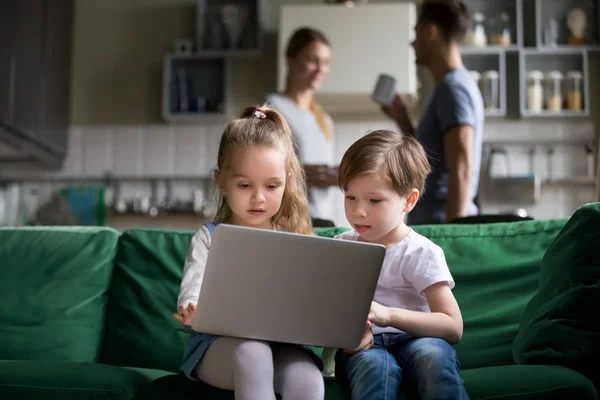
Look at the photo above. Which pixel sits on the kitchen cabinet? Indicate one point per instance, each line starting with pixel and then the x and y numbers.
pixel 8 25
pixel 366 40
pixel 35 77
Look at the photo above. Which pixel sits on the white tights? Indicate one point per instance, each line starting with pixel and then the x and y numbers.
pixel 255 371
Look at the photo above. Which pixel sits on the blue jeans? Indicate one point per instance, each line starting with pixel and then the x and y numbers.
pixel 429 365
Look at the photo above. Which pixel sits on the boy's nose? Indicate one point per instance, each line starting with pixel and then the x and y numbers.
pixel 359 212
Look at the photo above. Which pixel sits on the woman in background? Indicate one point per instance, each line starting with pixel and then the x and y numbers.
pixel 308 55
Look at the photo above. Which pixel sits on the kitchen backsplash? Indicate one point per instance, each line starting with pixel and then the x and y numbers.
pixel 190 151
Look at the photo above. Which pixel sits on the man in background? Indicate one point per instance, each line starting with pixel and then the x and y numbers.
pixel 451 127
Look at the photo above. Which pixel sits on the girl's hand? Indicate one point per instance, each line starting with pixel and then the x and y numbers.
pixel 379 315
pixel 366 342
pixel 185 316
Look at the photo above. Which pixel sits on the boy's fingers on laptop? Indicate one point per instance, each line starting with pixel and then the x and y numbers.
pixel 366 341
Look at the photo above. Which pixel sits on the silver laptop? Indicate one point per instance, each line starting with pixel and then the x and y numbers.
pixel 285 287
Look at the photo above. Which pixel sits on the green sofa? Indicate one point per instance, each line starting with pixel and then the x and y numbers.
pixel 86 312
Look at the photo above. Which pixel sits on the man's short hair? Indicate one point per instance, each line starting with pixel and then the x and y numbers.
pixel 451 17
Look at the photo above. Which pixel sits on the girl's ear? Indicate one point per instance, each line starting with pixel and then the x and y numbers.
pixel 218 179
pixel 411 200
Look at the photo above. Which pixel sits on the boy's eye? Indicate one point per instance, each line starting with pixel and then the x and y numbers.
pixel 375 201
pixel 350 198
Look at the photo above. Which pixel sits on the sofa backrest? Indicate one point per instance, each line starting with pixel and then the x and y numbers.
pixel 54 284
pixel 496 270
pixel 148 271
pixel 495 267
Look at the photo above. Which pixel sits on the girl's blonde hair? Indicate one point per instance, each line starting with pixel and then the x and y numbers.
pixel 263 126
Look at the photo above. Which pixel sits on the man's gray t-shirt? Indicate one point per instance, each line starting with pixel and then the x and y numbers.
pixel 456 100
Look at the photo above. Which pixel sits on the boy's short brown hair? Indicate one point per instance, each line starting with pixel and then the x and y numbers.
pixel 401 159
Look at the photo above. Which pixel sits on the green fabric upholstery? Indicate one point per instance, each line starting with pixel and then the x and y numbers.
pixel 561 325
pixel 495 267
pixel 527 382
pixel 54 284
pixel 78 297
pixel 40 380
pixel 514 382
pixel 141 330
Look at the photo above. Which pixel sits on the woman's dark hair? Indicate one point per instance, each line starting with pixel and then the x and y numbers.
pixel 450 16
pixel 301 38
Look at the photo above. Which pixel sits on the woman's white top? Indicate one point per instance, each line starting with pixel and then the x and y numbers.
pixel 315 148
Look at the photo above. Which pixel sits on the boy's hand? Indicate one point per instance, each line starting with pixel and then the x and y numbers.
pixel 379 315
pixel 366 342
pixel 185 316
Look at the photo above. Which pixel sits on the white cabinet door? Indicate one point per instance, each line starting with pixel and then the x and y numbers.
pixel 365 40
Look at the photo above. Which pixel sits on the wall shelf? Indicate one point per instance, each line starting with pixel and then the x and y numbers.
pixel 195 88
pixel 229 28
pixel 470 50
pixel 493 24
pixel 529 51
pixel 545 61
pixel 482 63
pixel 572 180
pixel 546 10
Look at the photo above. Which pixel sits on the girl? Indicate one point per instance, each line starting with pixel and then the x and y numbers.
pixel 261 185
pixel 308 56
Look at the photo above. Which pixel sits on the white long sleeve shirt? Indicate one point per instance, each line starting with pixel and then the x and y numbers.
pixel 194 267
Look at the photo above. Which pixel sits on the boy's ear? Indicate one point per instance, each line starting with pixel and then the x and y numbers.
pixel 411 200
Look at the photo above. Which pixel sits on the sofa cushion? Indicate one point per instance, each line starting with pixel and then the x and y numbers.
pixel 527 382
pixel 514 382
pixel 45 380
pixel 140 328
pixel 558 326
pixel 54 284
pixel 495 267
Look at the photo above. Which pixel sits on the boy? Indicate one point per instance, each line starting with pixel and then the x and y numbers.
pixel 414 316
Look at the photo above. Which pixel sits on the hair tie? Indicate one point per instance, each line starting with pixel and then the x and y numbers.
pixel 259 113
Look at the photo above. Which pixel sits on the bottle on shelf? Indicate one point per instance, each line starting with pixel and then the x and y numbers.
pixel 551 33
pixel 553 92
pixel 535 91
pixel 574 90
pixel 476 76
pixel 499 30
pixel 476 36
pixel 490 89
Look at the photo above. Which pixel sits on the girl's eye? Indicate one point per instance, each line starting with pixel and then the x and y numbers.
pixel 243 185
pixel 375 201
pixel 350 198
pixel 272 187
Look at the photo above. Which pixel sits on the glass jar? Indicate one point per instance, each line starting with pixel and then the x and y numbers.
pixel 553 91
pixel 490 89
pixel 475 75
pixel 477 36
pixel 499 30
pixel 574 83
pixel 535 91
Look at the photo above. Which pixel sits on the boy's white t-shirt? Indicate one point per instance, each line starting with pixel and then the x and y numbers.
pixel 409 267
